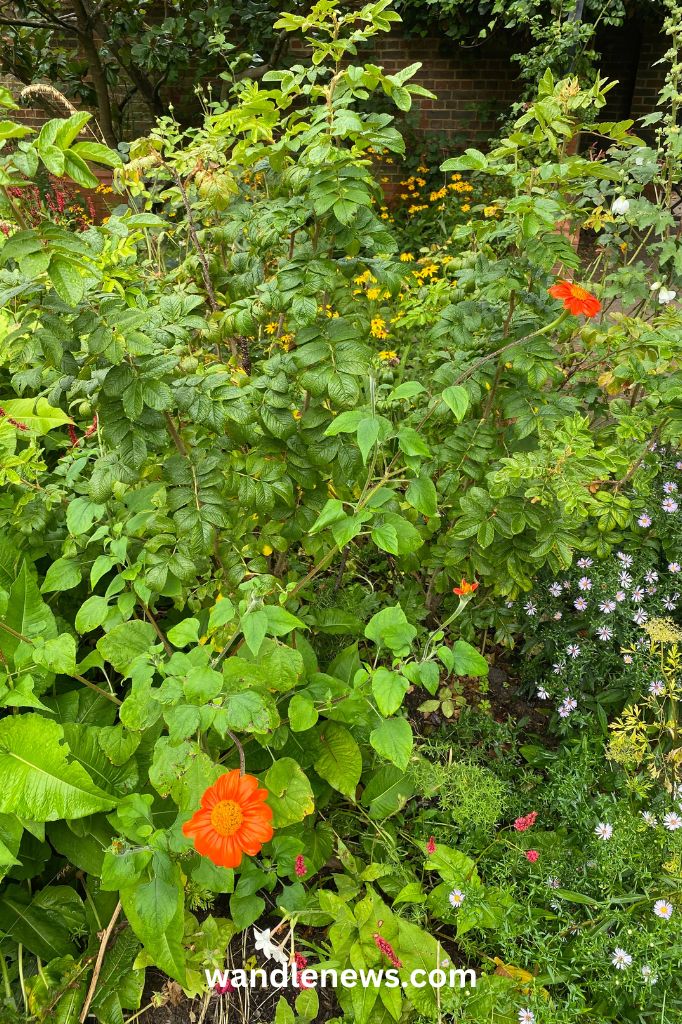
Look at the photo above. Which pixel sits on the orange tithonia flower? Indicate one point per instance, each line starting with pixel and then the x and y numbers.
pixel 465 588
pixel 576 300
pixel 233 819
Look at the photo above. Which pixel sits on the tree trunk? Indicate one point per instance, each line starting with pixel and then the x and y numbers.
pixel 97 72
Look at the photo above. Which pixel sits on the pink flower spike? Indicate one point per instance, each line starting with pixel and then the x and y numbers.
pixel 387 949
pixel 300 866
pixel 526 822
pixel 431 845
pixel 532 855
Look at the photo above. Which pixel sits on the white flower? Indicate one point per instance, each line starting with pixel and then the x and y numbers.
pixel 627 659
pixel 567 707
pixel 669 604
pixel 638 595
pixel 669 487
pixel 620 959
pixel 649 819
pixel 666 295
pixel 269 949
pixel 456 898
pixel 585 583
pixel 530 608
pixel 625 560
pixel 580 604
pixel 663 909
pixel 573 651
pixel 526 1017
pixel 555 590
pixel 584 563
pixel 657 687
pixel 553 883
pixel 674 567
pixel 542 693
pixel 678 465
pixel 640 617
pixel 644 520
pixel 620 595
pixel 557 616
pixel 604 831
pixel 607 606
pixel 648 975
pixel 624 579
pixel 558 667
pixel 672 821
pixel 669 505
pixel 620 206
pixel 604 633
pixel 651 576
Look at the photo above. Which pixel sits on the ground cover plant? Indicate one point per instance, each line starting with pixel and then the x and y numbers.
pixel 339 615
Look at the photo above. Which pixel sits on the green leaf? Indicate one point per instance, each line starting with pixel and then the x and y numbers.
pixel 64 574
pixel 331 513
pixel 154 909
pixel 37 414
pixel 97 153
pixel 66 278
pixel 221 613
pixel 37 781
pixel 393 740
pixel 387 792
pixel 291 797
pixel 367 434
pixel 467 661
pixel 254 626
pixel 45 922
pixel 339 761
pixel 302 713
pixel 81 514
pixel 388 688
pixel 58 655
pixel 280 621
pixel 457 400
pixel 126 642
pixel 185 633
pixel 421 494
pixel 91 614
pixel 390 628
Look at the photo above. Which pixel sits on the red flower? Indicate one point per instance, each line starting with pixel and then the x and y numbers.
pixel 229 986
pixel 465 588
pixel 532 855
pixel 576 300
pixel 300 866
pixel 431 845
pixel 387 949
pixel 233 819
pixel 521 824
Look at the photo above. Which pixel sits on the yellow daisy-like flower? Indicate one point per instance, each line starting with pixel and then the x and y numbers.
pixel 422 169
pixel 406 257
pixel 490 211
pixel 465 207
pixel 271 327
pixel 388 354
pixel 373 293
pixel 297 414
pixel 378 328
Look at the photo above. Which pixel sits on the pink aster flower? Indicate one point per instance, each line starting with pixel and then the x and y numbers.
pixel 532 855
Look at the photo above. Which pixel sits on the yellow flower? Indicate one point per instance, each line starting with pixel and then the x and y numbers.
pixel 404 195
pixel 388 354
pixel 373 293
pixel 490 211
pixel 384 216
pixel 266 550
pixel 435 196
pixel 297 414
pixel 406 257
pixel 378 328
pixel 420 182
pixel 203 640
pixel 271 327
pixel 465 207
pixel 422 169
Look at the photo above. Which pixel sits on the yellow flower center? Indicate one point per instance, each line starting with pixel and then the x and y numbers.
pixel 226 817
pixel 578 292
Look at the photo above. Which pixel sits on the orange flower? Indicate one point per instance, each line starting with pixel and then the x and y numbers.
pixel 465 588
pixel 577 300
pixel 233 819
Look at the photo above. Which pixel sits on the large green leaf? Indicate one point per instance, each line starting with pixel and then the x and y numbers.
pixel 26 613
pixel 37 413
pixel 291 797
pixel 393 740
pixel 37 781
pixel 126 642
pixel 154 908
pixel 339 761
pixel 44 923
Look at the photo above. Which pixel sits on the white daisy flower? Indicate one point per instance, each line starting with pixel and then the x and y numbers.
pixel 555 590
pixel 553 883
pixel 530 608
pixel 526 1017
pixel 638 595
pixel 456 898
pixel 663 909
pixel 620 596
pixel 621 959
pixel 584 563
pixel 669 487
pixel 644 520
pixel 567 707
pixel 604 633
pixel 558 667
pixel 640 617
pixel 669 505
pixel 573 651
pixel 627 659
pixel 624 579
pixel 672 821
pixel 657 687
pixel 604 831
pixel 649 819
pixel 607 606
pixel 669 604
pixel 651 576
pixel 580 604
pixel 542 693
pixel 625 560
pixel 557 616
pixel 674 567
pixel 585 583
pixel 648 974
